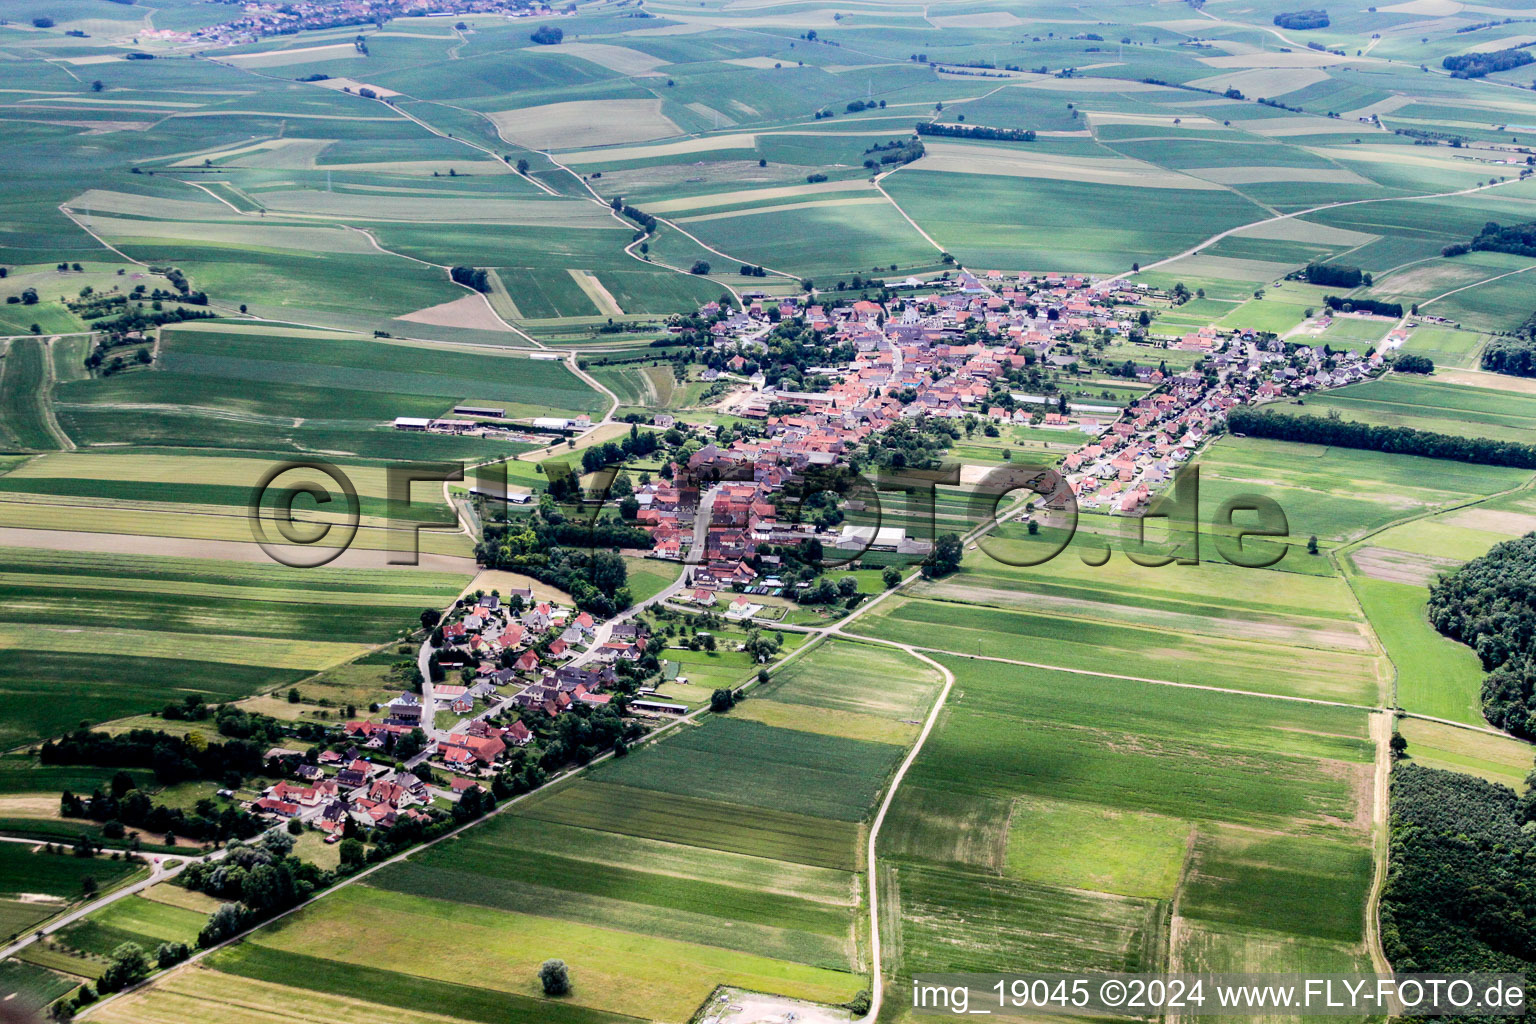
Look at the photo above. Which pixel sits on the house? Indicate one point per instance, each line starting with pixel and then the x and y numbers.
pixel 280 808
pixel 519 734
pixel 483 749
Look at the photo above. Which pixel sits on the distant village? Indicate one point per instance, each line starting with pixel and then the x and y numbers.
pixel 262 18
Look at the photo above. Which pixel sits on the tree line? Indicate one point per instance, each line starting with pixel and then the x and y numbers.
pixel 1397 440
pixel 1356 305
pixel 961 131
pixel 1335 275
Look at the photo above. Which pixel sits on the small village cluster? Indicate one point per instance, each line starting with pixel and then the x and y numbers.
pixel 515 653
pixel 927 350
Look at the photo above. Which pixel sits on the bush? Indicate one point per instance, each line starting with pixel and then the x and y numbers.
pixel 555 977
pixel 169 954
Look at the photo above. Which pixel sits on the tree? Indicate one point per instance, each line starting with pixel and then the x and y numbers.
pixel 353 853
pixel 945 558
pixel 411 744
pixel 129 965
pixel 1399 746
pixel 547 35
pixel 96 86
pixel 522 167
pixel 295 827
pixel 430 617
pixel 890 577
pixel 555 977
pixel 722 700
pixel 1312 545
pixel 700 267
pixel 222 923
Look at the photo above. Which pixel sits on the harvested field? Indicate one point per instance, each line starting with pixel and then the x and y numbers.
pixel 1401 566
pixel 226 550
pixel 1493 520
pixel 293 55
pixel 985 19
pixel 576 124
pixel 470 311
pixel 1263 82
pixel 1253 175
pixel 622 59
pixel 814 204
pixel 752 196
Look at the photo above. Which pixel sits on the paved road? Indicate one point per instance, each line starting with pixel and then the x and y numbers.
pixel 158 873
pixel 604 630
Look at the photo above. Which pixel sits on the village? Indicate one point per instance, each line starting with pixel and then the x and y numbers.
pixel 497 661
pixel 516 659
pixel 952 356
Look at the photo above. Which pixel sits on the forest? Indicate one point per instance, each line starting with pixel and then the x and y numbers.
pixel 1301 20
pixel 1477 65
pixel 1489 604
pixel 1513 354
pixel 1519 239
pixel 1457 897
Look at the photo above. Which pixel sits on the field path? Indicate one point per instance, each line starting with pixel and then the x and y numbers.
pixel 877 972
pixel 876 181
pixel 1381 732
pixel 50 378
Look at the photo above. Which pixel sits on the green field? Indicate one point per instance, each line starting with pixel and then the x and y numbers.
pixel 288 393
pixel 1240 807
pixel 1404 400
pixel 24 395
pixel 224 630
